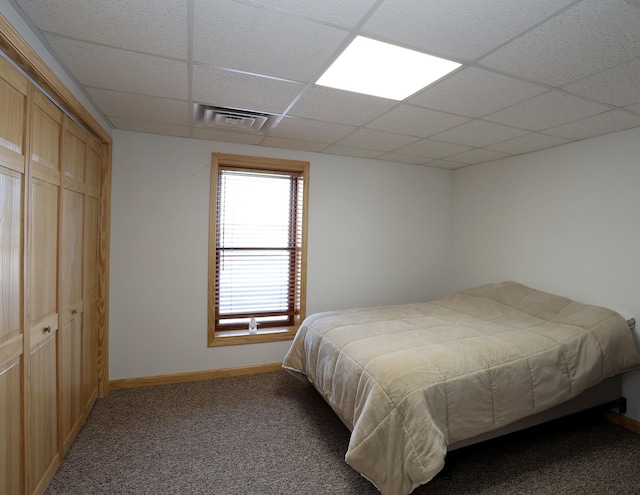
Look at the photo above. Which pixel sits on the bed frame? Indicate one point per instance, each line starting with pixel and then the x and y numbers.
pixel 606 393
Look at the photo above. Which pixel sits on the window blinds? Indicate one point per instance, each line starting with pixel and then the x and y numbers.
pixel 258 248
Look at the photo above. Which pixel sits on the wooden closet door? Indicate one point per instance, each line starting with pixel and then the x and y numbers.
pixel 90 269
pixel 13 118
pixel 46 129
pixel 74 146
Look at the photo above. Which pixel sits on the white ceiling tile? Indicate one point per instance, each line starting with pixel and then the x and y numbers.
pixel 376 140
pixel 618 86
pixel 432 149
pixel 335 11
pixel 149 26
pixel 604 123
pixel 147 108
pixel 410 159
pixel 475 92
pixel 415 121
pixel 292 144
pixel 479 133
pixel 149 127
pixel 477 156
pixel 528 143
pixel 462 30
pixel 310 130
pixel 224 88
pixel 547 110
pixel 252 39
pixel 335 149
pixel 226 137
pixel 122 70
pixel 343 107
pixel 586 38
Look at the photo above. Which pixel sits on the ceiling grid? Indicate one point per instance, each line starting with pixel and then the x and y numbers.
pixel 534 74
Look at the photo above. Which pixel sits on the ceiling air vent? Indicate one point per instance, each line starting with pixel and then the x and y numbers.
pixel 229 119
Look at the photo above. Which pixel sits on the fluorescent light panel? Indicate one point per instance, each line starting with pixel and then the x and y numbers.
pixel 380 69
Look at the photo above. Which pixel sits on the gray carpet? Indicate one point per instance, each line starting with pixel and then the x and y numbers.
pixel 270 434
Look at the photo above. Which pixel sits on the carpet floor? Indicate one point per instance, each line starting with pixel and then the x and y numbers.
pixel 270 434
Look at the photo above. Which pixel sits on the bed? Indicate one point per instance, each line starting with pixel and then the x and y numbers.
pixel 414 381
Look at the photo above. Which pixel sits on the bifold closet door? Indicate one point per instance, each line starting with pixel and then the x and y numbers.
pixel 74 146
pixel 50 251
pixel 13 121
pixel 46 129
pixel 90 269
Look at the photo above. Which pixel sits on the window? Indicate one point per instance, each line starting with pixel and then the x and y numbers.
pixel 257 248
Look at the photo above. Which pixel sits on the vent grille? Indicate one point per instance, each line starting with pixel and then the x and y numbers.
pixel 230 119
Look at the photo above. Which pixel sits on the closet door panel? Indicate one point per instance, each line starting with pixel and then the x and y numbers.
pixel 70 381
pixel 13 90
pixel 45 138
pixel 13 94
pixel 43 257
pixel 70 355
pixel 43 305
pixel 11 337
pixel 13 118
pixel 91 246
pixel 43 362
pixel 43 459
pixel 46 122
pixel 89 354
pixel 10 421
pixel 10 253
pixel 74 156
pixel 90 324
pixel 71 314
pixel 89 327
pixel 43 260
pixel 93 169
pixel 71 254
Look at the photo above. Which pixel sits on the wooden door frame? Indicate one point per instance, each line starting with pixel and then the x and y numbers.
pixel 25 57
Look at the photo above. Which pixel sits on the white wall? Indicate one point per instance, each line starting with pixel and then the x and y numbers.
pixel 379 233
pixel 564 220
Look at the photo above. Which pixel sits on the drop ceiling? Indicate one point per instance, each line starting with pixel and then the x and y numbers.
pixel 534 74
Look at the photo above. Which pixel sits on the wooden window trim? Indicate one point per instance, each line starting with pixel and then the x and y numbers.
pixel 236 337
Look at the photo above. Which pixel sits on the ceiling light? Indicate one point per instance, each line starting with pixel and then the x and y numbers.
pixel 380 69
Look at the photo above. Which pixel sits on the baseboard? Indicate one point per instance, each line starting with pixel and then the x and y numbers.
pixel 147 381
pixel 624 421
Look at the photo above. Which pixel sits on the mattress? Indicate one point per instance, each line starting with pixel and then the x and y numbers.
pixel 413 379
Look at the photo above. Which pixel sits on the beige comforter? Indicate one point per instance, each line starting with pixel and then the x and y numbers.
pixel 412 379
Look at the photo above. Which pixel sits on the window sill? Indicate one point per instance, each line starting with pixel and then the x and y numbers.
pixel 239 337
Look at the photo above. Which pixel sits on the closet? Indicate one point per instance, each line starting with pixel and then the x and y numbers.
pixel 52 217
